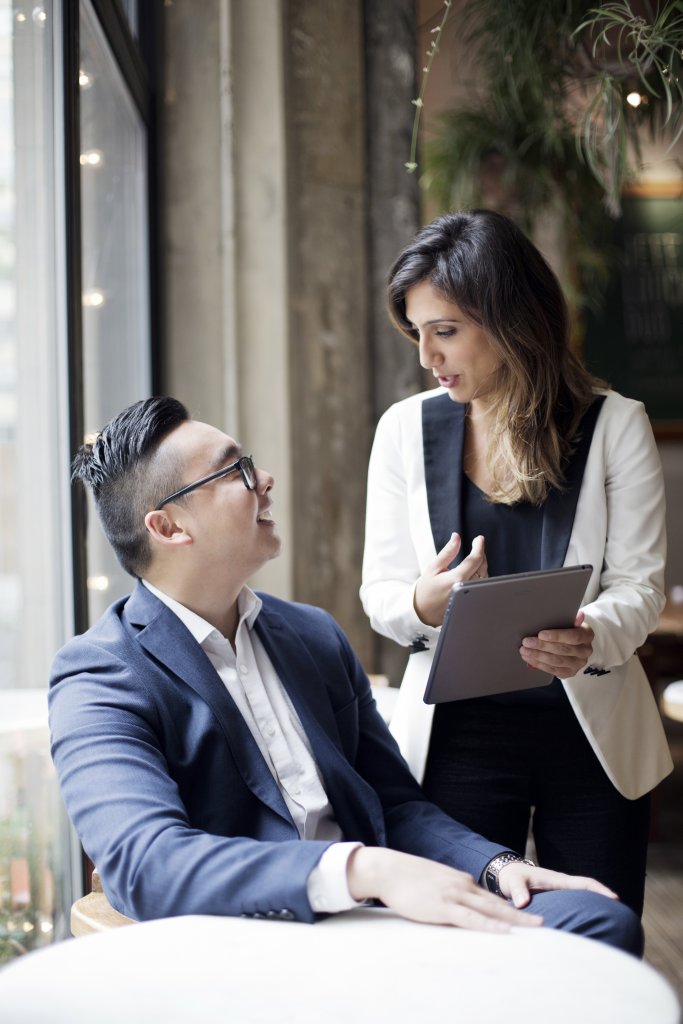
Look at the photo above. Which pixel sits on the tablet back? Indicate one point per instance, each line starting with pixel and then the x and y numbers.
pixel 477 653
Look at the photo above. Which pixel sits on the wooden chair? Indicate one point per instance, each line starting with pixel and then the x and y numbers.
pixel 94 912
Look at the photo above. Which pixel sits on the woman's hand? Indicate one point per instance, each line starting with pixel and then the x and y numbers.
pixel 564 652
pixel 434 586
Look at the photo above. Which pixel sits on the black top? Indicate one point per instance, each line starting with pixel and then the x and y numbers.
pixel 512 535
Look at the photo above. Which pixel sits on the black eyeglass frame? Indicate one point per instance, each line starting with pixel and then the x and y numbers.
pixel 248 475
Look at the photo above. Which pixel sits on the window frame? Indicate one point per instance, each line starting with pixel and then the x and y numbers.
pixel 139 61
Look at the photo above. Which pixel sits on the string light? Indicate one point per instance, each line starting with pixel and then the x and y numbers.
pixel 93 158
pixel 93 298
pixel 84 79
pixel 39 15
pixel 634 99
pixel 98 583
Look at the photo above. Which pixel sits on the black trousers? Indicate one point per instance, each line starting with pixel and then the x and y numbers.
pixel 490 764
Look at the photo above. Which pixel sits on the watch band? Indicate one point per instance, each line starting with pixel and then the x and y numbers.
pixel 495 866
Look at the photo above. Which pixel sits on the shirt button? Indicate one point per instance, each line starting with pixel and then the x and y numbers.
pixel 244 670
pixel 296 791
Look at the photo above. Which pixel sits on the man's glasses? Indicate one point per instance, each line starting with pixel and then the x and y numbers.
pixel 245 465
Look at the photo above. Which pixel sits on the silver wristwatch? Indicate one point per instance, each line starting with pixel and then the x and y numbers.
pixel 495 866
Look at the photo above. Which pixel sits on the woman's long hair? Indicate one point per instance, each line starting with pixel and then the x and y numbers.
pixel 483 263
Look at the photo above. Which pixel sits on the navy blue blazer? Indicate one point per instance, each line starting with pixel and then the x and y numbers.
pixel 169 792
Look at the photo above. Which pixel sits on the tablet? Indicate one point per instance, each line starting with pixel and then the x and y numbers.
pixel 477 653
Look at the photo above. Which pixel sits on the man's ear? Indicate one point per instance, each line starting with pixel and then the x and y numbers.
pixel 164 528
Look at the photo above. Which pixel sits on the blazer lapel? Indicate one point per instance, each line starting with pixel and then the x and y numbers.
pixel 170 643
pixel 560 506
pixel 298 673
pixel 356 806
pixel 443 435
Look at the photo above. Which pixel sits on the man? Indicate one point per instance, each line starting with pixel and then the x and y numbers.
pixel 220 752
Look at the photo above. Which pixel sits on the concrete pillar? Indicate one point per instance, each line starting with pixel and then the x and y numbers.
pixel 225 234
pixel 285 201
pixel 393 218
pixel 393 194
pixel 261 281
pixel 328 280
pixel 198 187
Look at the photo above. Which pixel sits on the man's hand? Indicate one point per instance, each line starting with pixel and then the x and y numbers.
pixel 564 652
pixel 518 881
pixel 423 890
pixel 434 585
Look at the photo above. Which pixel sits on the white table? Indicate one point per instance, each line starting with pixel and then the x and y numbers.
pixel 356 968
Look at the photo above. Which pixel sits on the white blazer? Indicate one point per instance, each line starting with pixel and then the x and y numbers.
pixel 618 528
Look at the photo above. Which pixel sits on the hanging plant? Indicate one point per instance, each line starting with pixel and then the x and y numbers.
pixel 551 130
pixel 635 62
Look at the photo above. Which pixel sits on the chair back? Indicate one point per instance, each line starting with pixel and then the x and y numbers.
pixel 94 912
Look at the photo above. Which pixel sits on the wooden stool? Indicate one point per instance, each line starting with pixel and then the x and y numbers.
pixel 94 912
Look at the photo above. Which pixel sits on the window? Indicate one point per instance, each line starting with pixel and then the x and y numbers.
pixel 35 558
pixel 114 258
pixel 40 298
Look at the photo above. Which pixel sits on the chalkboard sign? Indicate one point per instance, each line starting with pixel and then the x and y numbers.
pixel 636 342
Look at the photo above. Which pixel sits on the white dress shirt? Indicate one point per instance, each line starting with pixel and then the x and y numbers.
pixel 251 680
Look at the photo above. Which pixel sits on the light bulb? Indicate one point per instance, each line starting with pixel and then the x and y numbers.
pixel 634 98
pixel 98 583
pixel 92 158
pixel 93 298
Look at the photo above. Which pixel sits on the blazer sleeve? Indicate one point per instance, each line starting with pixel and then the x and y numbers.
pixel 391 565
pixel 631 593
pixel 131 819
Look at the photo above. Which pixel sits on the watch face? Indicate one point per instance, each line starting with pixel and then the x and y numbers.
pixel 494 869
pixel 492 878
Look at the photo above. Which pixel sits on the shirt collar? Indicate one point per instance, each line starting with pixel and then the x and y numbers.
pixel 248 607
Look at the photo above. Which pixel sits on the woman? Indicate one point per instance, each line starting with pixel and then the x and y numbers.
pixel 525 461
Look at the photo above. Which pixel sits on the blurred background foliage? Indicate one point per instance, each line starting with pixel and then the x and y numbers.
pixel 548 130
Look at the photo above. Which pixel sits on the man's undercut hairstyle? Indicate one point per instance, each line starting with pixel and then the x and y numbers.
pixel 128 476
